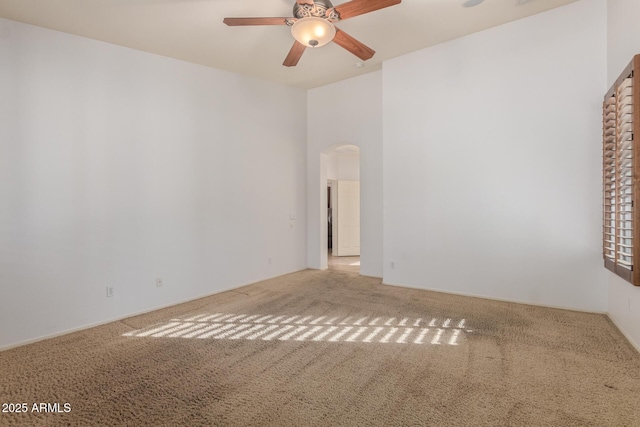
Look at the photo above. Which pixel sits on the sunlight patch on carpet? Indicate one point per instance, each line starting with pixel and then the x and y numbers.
pixel 352 329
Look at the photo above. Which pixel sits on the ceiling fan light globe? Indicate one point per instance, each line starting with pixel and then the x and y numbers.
pixel 313 31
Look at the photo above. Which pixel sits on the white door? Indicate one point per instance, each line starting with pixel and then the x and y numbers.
pixel 347 213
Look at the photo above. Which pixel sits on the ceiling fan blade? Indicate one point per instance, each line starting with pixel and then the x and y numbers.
pixel 358 7
pixel 352 45
pixel 294 54
pixel 232 22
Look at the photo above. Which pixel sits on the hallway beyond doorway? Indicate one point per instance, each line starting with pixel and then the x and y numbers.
pixel 343 263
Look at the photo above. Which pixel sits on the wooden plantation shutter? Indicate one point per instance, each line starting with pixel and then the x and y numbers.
pixel 621 175
pixel 609 174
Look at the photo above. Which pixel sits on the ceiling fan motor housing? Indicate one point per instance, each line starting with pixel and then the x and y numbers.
pixel 320 9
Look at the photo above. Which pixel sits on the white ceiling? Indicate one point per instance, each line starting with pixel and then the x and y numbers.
pixel 192 30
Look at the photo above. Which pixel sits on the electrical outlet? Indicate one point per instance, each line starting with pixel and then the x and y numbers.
pixel 269 260
pixel 110 292
pixel 159 282
pixel 392 264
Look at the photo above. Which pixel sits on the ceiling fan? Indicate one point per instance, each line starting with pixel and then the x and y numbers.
pixel 312 25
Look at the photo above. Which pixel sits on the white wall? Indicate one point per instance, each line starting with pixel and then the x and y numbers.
pixel 117 167
pixel 492 150
pixel 347 112
pixel 623 42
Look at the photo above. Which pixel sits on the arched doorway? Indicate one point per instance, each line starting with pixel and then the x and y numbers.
pixel 341 167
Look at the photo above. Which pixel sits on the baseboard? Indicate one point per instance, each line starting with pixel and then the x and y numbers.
pixel 137 313
pixel 465 294
pixel 623 332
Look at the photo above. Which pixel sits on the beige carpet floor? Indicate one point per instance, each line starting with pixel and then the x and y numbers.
pixel 332 348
